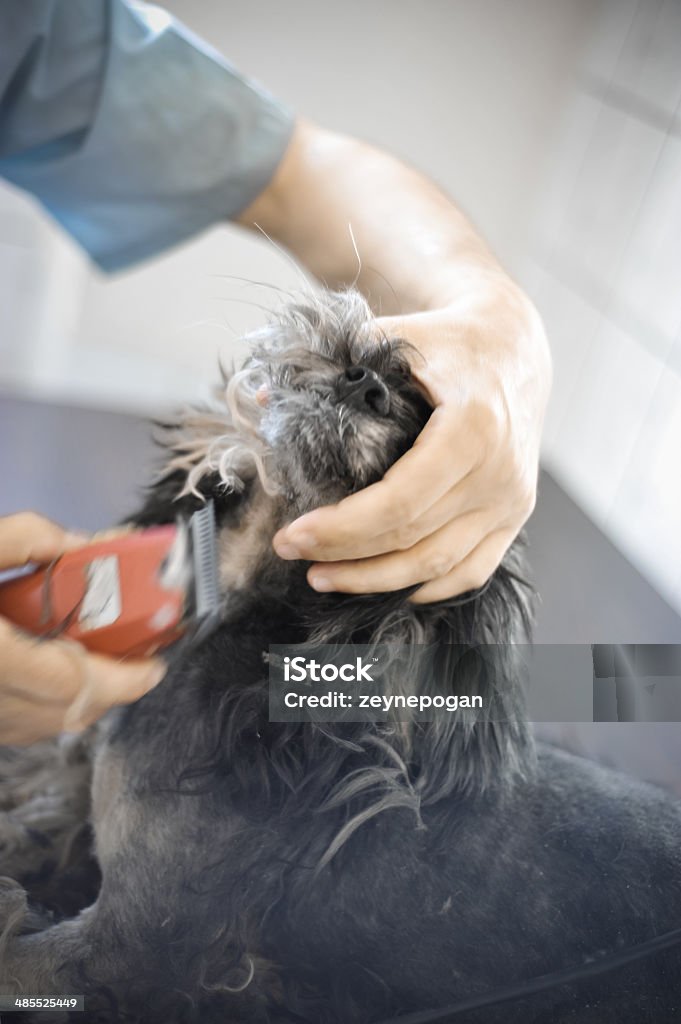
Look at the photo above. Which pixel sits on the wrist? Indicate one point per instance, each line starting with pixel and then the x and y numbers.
pixel 478 290
pixel 485 328
pixel 488 306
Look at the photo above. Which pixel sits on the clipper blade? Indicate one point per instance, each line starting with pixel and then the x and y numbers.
pixel 203 534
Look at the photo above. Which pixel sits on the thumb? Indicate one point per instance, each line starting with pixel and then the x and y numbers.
pixel 28 537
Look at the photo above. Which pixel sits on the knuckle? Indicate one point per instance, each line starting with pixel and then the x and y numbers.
pixel 310 550
pixel 29 529
pixel 528 502
pixel 485 420
pixel 524 496
pixel 306 542
pixel 411 505
pixel 437 564
pixel 405 536
pixel 31 521
pixel 403 512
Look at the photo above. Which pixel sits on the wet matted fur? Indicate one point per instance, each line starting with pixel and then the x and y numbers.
pixel 262 872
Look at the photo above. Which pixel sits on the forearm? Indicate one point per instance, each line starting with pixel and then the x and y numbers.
pixel 416 249
pixel 419 257
pixel 445 514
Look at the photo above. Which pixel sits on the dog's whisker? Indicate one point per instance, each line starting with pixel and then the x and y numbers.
pixel 245 302
pixel 359 259
pixel 280 249
pixel 251 281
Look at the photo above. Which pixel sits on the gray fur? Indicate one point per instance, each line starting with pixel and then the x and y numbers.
pixel 338 873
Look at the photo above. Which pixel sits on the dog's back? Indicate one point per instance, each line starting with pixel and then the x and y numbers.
pixel 411 913
pixel 260 872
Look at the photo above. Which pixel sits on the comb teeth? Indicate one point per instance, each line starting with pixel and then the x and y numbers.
pixel 204 549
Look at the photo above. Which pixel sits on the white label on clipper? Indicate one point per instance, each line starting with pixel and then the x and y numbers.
pixel 102 602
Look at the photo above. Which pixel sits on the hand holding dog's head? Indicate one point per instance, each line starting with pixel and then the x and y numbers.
pixel 320 409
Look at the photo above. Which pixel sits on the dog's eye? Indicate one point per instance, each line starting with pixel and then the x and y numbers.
pixel 399 375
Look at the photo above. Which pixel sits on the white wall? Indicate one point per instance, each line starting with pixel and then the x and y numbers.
pixel 465 90
pixel 554 123
pixel 607 276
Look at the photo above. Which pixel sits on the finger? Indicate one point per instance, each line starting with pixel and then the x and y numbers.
pixel 28 537
pixel 409 488
pixel 21 723
pixel 430 559
pixel 58 673
pixel 106 684
pixel 473 572
pixel 38 672
pixel 37 682
pixel 497 494
pixel 470 496
pixel 478 490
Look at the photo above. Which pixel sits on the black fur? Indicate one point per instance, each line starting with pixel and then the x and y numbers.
pixel 338 874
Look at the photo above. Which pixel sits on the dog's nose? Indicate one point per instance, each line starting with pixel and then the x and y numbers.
pixel 360 388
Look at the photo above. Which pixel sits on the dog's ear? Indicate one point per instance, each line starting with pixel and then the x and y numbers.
pixel 214 452
pixel 207 453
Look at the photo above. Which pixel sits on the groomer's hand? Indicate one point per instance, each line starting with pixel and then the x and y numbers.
pixel 41 680
pixel 447 511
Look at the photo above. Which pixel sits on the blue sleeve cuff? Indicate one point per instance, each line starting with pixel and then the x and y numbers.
pixel 176 140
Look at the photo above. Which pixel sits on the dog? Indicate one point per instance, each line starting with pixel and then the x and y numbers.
pixel 189 860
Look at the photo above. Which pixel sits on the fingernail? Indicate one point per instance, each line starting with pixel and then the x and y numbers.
pixel 321 583
pixel 285 550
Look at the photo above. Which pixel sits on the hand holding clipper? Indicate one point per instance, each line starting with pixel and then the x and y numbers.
pixel 54 684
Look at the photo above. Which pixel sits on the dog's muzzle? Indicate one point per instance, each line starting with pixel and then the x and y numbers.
pixel 363 390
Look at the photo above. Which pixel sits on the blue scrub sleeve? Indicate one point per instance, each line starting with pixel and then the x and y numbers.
pixel 131 131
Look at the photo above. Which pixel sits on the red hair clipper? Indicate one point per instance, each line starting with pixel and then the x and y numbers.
pixel 126 594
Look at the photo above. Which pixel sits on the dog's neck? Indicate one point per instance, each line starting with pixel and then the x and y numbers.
pixel 462 752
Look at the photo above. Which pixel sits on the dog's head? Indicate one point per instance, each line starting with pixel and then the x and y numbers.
pixel 340 404
pixel 321 408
